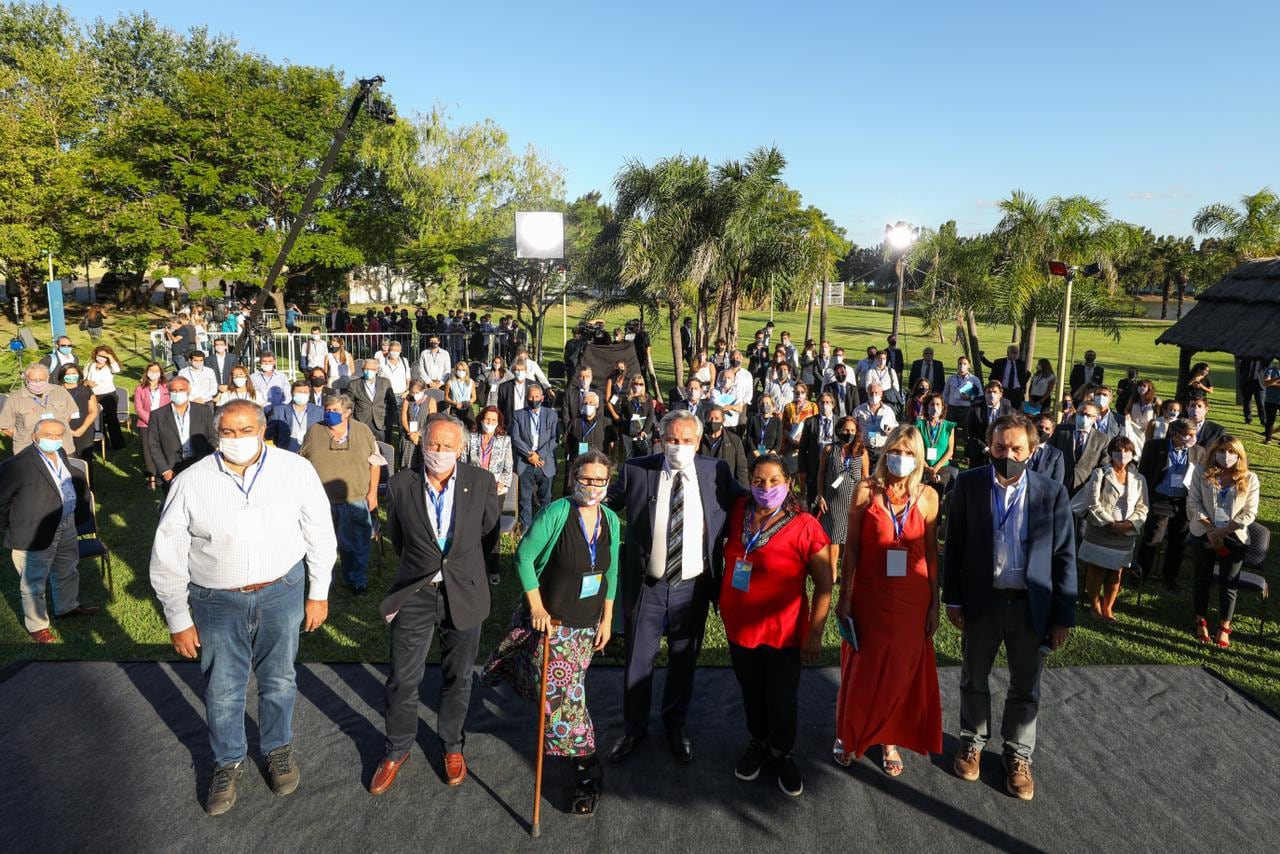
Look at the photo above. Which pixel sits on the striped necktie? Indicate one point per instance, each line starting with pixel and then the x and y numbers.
pixel 675 530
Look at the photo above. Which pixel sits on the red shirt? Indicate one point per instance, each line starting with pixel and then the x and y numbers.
pixel 774 611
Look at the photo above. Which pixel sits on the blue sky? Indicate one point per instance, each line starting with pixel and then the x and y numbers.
pixel 924 111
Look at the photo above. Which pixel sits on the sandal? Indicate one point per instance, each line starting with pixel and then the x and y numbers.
pixel 1202 630
pixel 586 797
pixel 892 767
pixel 1224 642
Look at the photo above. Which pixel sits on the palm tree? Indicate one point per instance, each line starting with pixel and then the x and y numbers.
pixel 1174 258
pixel 822 245
pixel 957 271
pixel 1253 232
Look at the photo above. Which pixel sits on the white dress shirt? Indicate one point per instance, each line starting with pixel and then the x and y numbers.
pixel 397 373
pixel 888 379
pixel 272 389
pixel 691 557
pixel 204 382
pixel 213 534
pixel 1010 540
pixel 875 426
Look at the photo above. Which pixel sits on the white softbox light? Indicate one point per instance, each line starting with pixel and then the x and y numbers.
pixel 539 234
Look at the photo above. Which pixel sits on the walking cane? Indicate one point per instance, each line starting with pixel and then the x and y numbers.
pixel 542 733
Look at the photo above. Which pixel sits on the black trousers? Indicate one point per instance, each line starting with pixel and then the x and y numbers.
pixel 1251 394
pixel 1172 513
pixel 770 681
pixel 1229 565
pixel 411 634
pixel 1269 417
pixel 110 421
pixel 680 612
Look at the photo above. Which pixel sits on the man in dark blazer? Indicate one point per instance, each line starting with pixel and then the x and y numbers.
pixel 1046 459
pixel 534 435
pixel 1083 447
pixel 289 423
pixel 438 519
pixel 1085 375
pixel 819 431
pixel 670 572
pixel 1168 466
pixel 573 397
pixel 1009 579
pixel 371 399
pixel 981 415
pixel 1012 374
pixel 723 444
pixel 221 361
pixel 684 400
pixel 180 433
pixel 929 369
pixel 843 391
pixel 512 395
pixel 1207 432
pixel 42 500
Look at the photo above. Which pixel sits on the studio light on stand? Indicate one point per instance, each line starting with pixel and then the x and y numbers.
pixel 900 237
pixel 540 237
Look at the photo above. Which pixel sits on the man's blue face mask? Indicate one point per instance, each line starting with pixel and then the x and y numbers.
pixel 332 419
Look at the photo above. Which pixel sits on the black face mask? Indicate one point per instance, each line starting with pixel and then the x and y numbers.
pixel 317 382
pixel 333 348
pixel 846 438
pixel 714 427
pixel 737 363
pixel 1007 467
pixel 1045 436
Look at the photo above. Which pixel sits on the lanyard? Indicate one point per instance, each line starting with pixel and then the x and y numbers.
pixel 586 431
pixel 437 503
pixel 1003 516
pixel 764 428
pixel 934 434
pixel 1178 457
pixel 746 523
pixel 591 540
pixel 256 471
pixel 1222 496
pixel 846 458
pixel 299 420
pixel 900 522
pixel 182 419
pixel 54 469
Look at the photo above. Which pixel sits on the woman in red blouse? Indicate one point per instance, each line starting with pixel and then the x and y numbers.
pixel 889 684
pixel 773 546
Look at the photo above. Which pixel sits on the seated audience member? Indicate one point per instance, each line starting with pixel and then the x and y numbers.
pixel 1115 510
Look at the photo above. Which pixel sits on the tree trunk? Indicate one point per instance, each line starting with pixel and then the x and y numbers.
pixel 1029 344
pixel 808 316
pixel 822 308
pixel 29 280
pixel 971 329
pixel 724 324
pixel 1164 298
pixel 677 357
pixel 1182 289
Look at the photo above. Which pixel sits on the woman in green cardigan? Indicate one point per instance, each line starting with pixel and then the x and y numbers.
pixel 568 565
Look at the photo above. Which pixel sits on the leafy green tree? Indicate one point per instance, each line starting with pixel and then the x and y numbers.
pixel 1250 231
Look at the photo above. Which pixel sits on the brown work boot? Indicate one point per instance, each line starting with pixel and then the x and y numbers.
pixel 968 762
pixel 1019 781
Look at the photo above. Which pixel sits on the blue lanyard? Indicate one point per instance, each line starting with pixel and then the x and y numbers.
pixel 847 460
pixel 764 526
pixel 55 470
pixel 934 434
pixel 300 420
pixel 256 471
pixel 437 503
pixel 591 540
pixel 586 431
pixel 1222 496
pixel 1003 516
pixel 764 428
pixel 900 522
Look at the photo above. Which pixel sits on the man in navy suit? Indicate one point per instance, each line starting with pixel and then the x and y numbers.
pixel 677 506
pixel 1009 579
pixel 288 425
pixel 534 432
pixel 1046 459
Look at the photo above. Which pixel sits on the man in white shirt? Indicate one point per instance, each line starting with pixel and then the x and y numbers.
pixel 875 420
pixel 271 385
pixel 677 506
pixel 881 374
pixel 232 587
pixel 204 382
pixel 314 350
pixel 535 372
pixel 434 364
pixel 396 370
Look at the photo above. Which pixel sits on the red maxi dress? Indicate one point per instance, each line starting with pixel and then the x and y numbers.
pixel 889 687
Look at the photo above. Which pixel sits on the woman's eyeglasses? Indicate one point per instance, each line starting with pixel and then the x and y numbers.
pixel 594 481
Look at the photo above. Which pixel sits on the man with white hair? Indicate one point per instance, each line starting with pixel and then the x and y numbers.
pixel 876 420
pixel 41 500
pixel 232 587
pixel 584 432
pixel 37 399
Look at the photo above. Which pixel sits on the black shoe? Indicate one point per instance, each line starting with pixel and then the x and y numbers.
pixel 624 747
pixel 789 780
pixel 681 747
pixel 748 767
pixel 222 789
pixel 360 591
pixel 283 770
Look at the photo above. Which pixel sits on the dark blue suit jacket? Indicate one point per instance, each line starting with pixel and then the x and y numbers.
pixel 279 427
pixel 969 557
pixel 522 438
pixel 635 493
pixel 1048 461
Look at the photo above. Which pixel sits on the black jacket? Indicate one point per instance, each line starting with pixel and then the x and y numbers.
pixel 772 433
pixel 371 411
pixel 166 445
pixel 935 375
pixel 979 420
pixel 728 448
pixel 476 513
pixel 229 361
pixel 30 504
pixel 1079 468
pixel 571 404
pixel 1000 366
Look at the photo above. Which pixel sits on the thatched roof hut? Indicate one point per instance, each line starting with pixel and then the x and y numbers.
pixel 1239 315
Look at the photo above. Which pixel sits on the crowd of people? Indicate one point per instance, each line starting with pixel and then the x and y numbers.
pixel 771 482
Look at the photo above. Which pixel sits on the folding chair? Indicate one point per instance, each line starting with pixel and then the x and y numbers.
pixel 88 543
pixel 122 408
pixel 1251 577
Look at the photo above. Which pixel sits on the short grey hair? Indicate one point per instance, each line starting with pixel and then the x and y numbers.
pixel 669 420
pixel 237 405
pixel 35 368
pixel 340 399
pixel 48 419
pixel 446 418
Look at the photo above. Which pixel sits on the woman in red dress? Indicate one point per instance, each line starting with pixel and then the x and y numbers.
pixel 774 546
pixel 889 684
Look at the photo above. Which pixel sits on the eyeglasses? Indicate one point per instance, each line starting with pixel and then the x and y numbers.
pixel 594 481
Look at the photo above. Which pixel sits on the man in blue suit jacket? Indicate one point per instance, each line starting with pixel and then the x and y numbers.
pixel 1009 579
pixel 534 432
pixel 289 423
pixel 677 506
pixel 1046 459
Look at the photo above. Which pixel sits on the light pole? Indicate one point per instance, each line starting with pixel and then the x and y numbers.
pixel 899 236
pixel 1068 274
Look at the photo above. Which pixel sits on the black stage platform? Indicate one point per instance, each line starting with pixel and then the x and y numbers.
pixel 114 757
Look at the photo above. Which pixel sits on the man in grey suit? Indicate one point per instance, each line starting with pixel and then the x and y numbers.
pixel 534 431
pixel 369 399
pixel 1083 447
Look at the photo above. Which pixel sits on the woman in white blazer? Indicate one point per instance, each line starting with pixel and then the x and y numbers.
pixel 1221 505
pixel 1115 511
pixel 489 447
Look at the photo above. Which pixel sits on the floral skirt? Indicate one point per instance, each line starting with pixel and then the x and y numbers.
pixel 518 661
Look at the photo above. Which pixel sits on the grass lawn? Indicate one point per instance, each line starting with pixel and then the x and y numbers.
pixel 132 627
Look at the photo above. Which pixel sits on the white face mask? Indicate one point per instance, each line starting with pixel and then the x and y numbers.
pixel 1121 458
pixel 900 465
pixel 460 374
pixel 488 426
pixel 679 456
pixel 178 397
pixel 873 399
pixel 589 409
pixel 240 449
pixel 1104 401
pixel 154 376
pixel 238 382
pixel 1226 459
pixel 519 376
